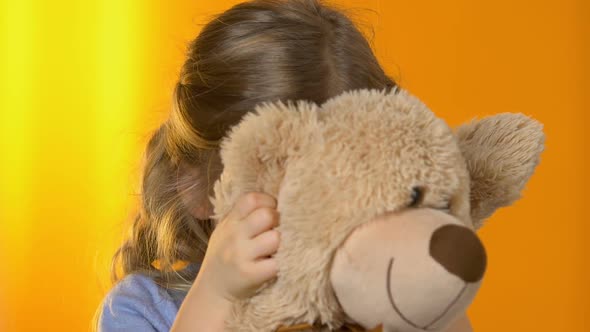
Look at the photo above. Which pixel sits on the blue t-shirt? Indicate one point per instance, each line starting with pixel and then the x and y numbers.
pixel 137 303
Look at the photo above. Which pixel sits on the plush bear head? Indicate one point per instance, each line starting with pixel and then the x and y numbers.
pixel 379 201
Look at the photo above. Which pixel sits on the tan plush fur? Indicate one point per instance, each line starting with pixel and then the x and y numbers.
pixel 337 166
pixel 502 152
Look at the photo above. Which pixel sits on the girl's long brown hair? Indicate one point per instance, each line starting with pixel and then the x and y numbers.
pixel 257 51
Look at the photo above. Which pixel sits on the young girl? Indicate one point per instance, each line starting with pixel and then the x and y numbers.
pixel 177 274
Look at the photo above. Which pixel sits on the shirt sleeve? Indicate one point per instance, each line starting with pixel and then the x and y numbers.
pixel 137 303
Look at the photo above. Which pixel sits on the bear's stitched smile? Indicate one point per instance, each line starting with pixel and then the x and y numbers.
pixel 427 327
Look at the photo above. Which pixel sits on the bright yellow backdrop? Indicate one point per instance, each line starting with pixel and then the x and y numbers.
pixel 83 82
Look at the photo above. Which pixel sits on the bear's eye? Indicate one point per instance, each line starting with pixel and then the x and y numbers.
pixel 416 196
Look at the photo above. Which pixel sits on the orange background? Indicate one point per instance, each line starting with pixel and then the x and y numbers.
pixel 83 82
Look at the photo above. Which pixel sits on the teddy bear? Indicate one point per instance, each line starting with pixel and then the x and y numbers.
pixel 379 203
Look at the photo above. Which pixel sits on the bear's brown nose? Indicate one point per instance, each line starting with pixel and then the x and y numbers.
pixel 459 251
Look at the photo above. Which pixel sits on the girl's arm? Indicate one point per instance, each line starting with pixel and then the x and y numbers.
pixel 201 310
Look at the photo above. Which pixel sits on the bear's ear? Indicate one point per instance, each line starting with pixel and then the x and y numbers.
pixel 256 152
pixel 501 153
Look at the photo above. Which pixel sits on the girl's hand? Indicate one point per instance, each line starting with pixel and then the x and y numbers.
pixel 236 263
pixel 238 259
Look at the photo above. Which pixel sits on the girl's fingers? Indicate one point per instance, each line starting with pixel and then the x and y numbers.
pixel 260 220
pixel 249 202
pixel 266 269
pixel 266 244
